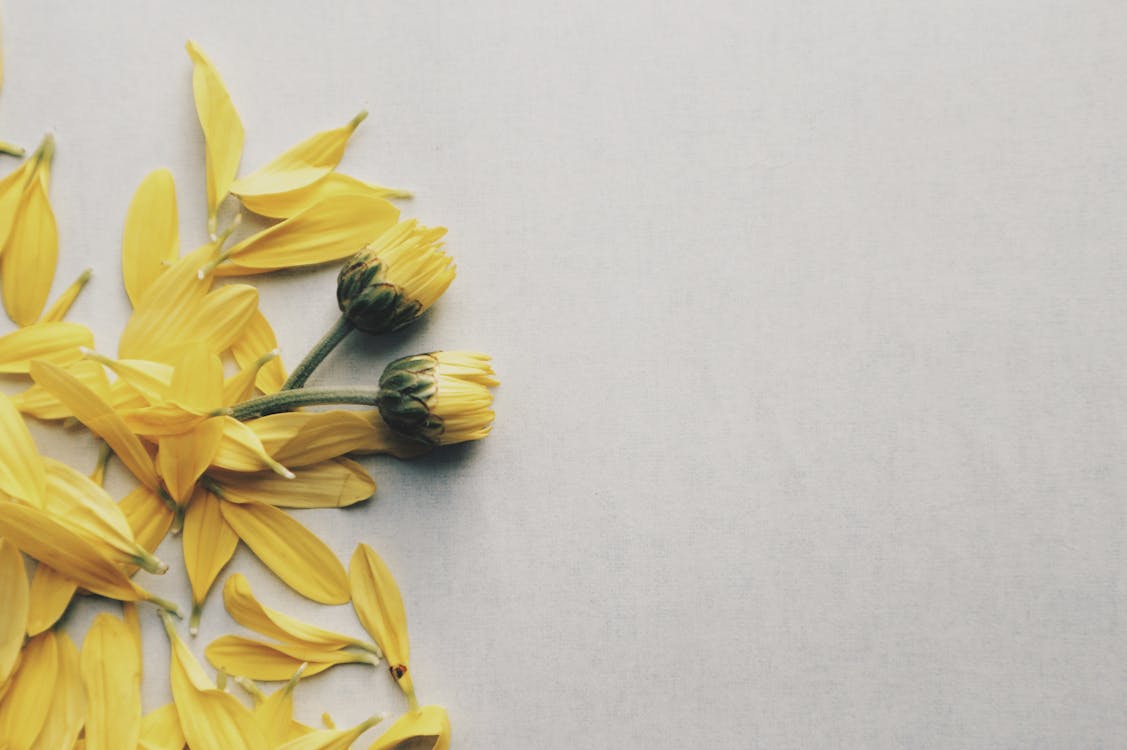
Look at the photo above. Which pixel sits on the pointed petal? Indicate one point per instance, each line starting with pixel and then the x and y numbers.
pixel 61 306
pixel 289 549
pixel 305 438
pixel 326 231
pixel 222 130
pixel 256 341
pixel 378 604
pixel 331 739
pixel 148 516
pixel 330 187
pixel 24 708
pixel 27 265
pixel 38 402
pixel 299 165
pixel 259 660
pixel 90 409
pixel 58 343
pixel 21 467
pixel 160 729
pixel 241 450
pixel 250 613
pixel 426 728
pixel 14 593
pixel 111 672
pixel 51 594
pixel 332 484
pixel 67 712
pixel 152 233
pixel 209 544
pixel 159 316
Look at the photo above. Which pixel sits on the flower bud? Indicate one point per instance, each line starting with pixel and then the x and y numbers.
pixel 426 728
pixel 438 398
pixel 393 281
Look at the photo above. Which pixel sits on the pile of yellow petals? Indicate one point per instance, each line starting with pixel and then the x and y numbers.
pixel 161 405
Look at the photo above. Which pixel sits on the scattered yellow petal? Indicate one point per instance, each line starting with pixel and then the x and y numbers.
pixel 160 729
pixel 148 516
pixel 38 402
pixel 151 240
pixel 289 549
pixel 25 705
pixel 159 317
pixel 31 252
pixel 149 379
pixel 378 604
pixel 331 739
pixel 332 484
pixel 241 450
pixel 21 467
pixel 222 130
pixel 14 593
pixel 51 593
pixel 209 543
pixel 305 438
pixel 67 712
pixel 326 231
pixel 272 662
pixel 11 190
pixel 258 340
pixel 241 385
pixel 111 672
pixel 57 343
pixel 300 165
pixel 182 459
pixel 61 306
pixel 330 187
pixel 426 728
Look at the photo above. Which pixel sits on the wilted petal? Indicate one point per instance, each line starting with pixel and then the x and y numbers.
pixel 21 467
pixel 29 696
pixel 426 728
pixel 160 729
pixel 67 712
pixel 332 484
pixel 332 186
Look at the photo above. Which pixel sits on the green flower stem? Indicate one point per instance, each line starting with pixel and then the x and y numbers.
pixel 317 354
pixel 297 398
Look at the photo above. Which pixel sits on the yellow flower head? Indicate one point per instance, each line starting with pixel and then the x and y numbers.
pixel 393 281
pixel 438 398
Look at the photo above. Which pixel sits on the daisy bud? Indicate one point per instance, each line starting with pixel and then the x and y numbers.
pixel 438 398
pixel 392 281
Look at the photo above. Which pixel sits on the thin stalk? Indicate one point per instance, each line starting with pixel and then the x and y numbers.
pixel 317 354
pixel 295 399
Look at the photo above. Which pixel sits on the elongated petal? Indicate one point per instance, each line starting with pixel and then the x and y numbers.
pixel 256 341
pixel 305 438
pixel 332 484
pixel 289 549
pixel 25 705
pixel 331 739
pixel 149 379
pixel 182 459
pixel 426 728
pixel 241 385
pixel 111 672
pixel 160 729
pixel 11 191
pixel 51 594
pixel 300 165
pixel 90 409
pixel 221 317
pixel 378 604
pixel 250 613
pixel 14 593
pixel 209 543
pixel 274 712
pixel 241 450
pixel 152 233
pixel 259 660
pixel 57 343
pixel 40 403
pixel 148 516
pixel 197 380
pixel 27 265
pixel 21 468
pixel 132 619
pixel 332 186
pixel 326 231
pixel 160 316
pixel 40 536
pixel 381 439
pixel 67 712
pixel 159 421
pixel 222 130
pixel 62 304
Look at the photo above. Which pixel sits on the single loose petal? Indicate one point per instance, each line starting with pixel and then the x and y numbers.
pixel 67 712
pixel 271 662
pixel 31 252
pixel 111 672
pixel 241 450
pixel 28 699
pixel 426 728
pixel 332 186
pixel 222 130
pixel 182 459
pixel 62 304
pixel 40 403
pixel 378 604
pixel 209 544
pixel 151 240
pixel 51 594
pixel 289 549
pixel 21 467
pixel 11 191
pixel 57 343
pixel 14 593
pixel 332 484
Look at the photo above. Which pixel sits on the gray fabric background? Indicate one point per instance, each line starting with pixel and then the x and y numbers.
pixel 812 329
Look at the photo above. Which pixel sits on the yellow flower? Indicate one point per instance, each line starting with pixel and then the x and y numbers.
pixel 439 398
pixel 426 728
pixel 394 280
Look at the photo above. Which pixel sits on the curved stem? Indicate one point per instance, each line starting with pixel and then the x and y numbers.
pixel 318 353
pixel 295 399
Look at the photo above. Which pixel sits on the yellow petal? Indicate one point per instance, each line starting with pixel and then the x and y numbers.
pixel 426 728
pixel 299 165
pixel 222 130
pixel 241 450
pixel 197 380
pixel 42 537
pixel 259 660
pixel 38 402
pixel 58 343
pixel 14 593
pixel 61 306
pixel 150 379
pixel 159 317
pixel 332 484
pixel 132 619
pixel 148 516
pixel 111 672
pixel 21 467
pixel 27 265
pixel 304 438
pixel 241 385
pixel 381 439
pixel 159 421
pixel 90 409
pixel 11 190
pixel 151 239
pixel 67 712
pixel 25 705
pixel 51 594
pixel 258 340
pixel 274 714
pixel 326 231
pixel 331 739
pixel 209 543
pixel 182 459
pixel 250 613
pixel 160 729
pixel 378 604
pixel 333 185
pixel 289 549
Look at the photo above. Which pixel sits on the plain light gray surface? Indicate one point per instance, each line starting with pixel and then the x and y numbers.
pixel 811 323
